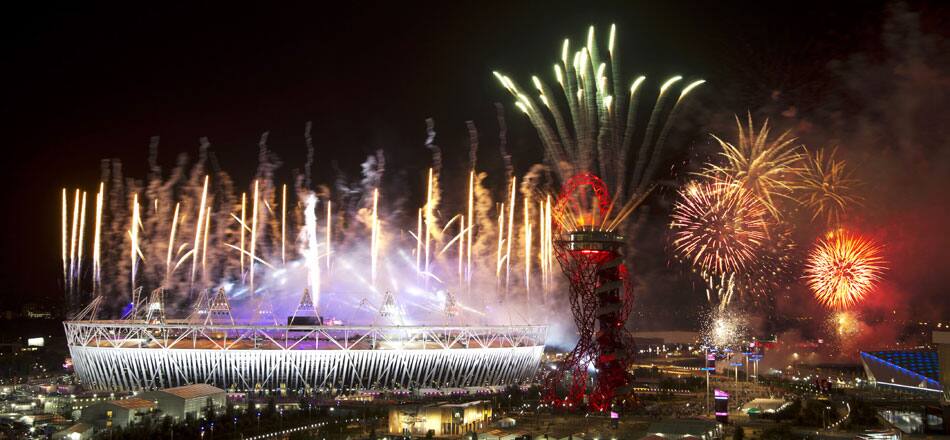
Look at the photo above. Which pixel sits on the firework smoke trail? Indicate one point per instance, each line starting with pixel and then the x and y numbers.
pixel 72 243
pixel 419 240
pixel 664 133
pixel 65 244
pixel 198 225
pixel 527 249
pixel 171 245
pixel 721 289
pixel 243 230
pixel 204 248
pixel 82 228
pixel 374 237
pixel 549 240
pixel 461 252
pixel 762 166
pixel 824 185
pixel 599 126
pixel 499 256
pixel 283 225
pixel 843 268
pixel 134 251
pixel 644 151
pixel 311 252
pixel 164 205
pixel 511 220
pixel 429 224
pixel 717 227
pixel 471 228
pixel 253 235
pixel 542 249
pixel 329 232
pixel 97 242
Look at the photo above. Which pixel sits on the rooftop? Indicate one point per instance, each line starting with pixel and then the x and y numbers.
pixel 920 362
pixel 462 405
pixel 193 391
pixel 77 428
pixel 682 427
pixel 133 403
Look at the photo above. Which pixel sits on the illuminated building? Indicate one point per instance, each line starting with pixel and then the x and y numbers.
pixel 138 354
pixel 117 413
pixel 187 401
pixel 685 429
pixel 906 370
pixel 442 419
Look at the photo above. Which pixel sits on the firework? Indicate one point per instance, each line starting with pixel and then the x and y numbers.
pixel 843 268
pixel 311 251
pixel 725 328
pixel 204 247
pixel 579 210
pixel 374 237
pixel 206 220
pixel 97 240
pixel 244 230
pixel 527 248
pixel 72 241
pixel 283 224
pixel 134 251
pixel 597 131
pixel 845 324
pixel 471 229
pixel 198 226
pixel 511 220
pixel 65 233
pixel 429 221
pixel 329 229
pixel 773 267
pixel 721 289
pixel 759 165
pixel 718 227
pixel 824 186
pixel 253 234
pixel 82 228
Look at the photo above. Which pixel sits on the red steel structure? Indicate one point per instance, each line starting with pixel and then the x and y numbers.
pixel 601 298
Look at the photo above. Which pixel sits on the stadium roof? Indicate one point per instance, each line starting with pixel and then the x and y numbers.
pixel 921 363
pixel 193 391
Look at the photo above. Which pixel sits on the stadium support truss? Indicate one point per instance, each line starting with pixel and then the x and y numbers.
pixel 134 355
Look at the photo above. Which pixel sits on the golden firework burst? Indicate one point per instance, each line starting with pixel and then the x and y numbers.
pixel 843 268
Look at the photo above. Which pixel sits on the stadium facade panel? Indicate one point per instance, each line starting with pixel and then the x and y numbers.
pixel 126 355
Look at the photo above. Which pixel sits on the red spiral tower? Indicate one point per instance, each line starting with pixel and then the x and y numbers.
pixel 601 297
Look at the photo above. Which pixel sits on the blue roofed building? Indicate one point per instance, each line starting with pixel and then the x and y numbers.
pixel 909 370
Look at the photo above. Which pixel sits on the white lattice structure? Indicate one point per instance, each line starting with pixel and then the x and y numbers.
pixel 132 355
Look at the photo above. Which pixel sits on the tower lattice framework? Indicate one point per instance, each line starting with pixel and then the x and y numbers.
pixel 601 299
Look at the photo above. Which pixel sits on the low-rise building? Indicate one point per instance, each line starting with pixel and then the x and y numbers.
pixel 682 428
pixel 117 413
pixel 79 431
pixel 441 418
pixel 187 401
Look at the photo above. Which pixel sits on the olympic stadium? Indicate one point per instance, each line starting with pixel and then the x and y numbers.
pixel 155 352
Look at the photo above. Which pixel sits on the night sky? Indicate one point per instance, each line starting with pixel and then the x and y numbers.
pixel 90 82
